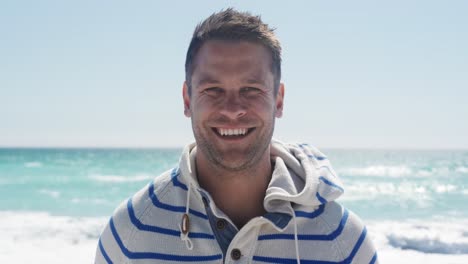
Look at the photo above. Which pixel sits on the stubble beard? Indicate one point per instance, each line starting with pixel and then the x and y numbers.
pixel 220 159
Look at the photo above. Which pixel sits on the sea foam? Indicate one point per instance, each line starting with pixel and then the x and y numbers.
pixel 50 193
pixel 120 178
pixel 63 239
pixel 422 191
pixel 462 169
pixel 378 170
pixel 434 237
pixel 399 171
pixel 34 164
pixel 47 238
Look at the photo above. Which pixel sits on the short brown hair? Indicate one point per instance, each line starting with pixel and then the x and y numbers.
pixel 233 25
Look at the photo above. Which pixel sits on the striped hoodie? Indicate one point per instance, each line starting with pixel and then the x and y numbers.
pixel 173 220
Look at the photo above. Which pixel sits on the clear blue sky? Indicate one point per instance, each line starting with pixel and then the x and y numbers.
pixel 369 74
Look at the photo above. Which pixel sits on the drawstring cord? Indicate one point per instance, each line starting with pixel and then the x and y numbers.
pixel 185 224
pixel 296 242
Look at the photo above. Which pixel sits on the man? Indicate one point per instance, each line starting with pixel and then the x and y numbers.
pixel 237 196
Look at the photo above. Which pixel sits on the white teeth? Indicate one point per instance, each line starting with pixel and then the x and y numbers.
pixel 232 132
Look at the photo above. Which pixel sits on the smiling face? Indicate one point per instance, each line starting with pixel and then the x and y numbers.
pixel 232 103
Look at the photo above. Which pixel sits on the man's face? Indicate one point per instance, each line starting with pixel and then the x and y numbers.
pixel 232 103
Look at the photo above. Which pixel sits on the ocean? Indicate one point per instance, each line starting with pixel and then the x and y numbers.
pixel 55 202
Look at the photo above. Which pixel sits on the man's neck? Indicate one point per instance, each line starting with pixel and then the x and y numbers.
pixel 239 194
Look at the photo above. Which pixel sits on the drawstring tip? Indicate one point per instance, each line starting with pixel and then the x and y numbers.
pixel 184 231
pixel 185 224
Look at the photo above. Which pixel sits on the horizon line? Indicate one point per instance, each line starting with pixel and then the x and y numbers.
pixel 181 147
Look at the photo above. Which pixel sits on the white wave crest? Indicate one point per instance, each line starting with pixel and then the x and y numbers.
pixel 445 188
pixel 120 178
pixel 428 244
pixel 47 238
pixel 462 169
pixel 423 193
pixel 379 170
pixel 34 164
pixel 435 237
pixel 51 193
pixel 89 201
pixel 399 171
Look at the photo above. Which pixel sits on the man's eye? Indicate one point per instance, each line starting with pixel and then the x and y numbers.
pixel 213 91
pixel 250 90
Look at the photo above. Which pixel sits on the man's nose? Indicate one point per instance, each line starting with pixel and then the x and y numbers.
pixel 233 108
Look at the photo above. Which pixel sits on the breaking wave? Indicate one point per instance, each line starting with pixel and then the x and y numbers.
pixel 120 178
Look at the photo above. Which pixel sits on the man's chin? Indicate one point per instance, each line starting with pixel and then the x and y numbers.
pixel 235 167
pixel 233 163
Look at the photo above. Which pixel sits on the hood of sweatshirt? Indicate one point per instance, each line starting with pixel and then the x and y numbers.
pixel 302 176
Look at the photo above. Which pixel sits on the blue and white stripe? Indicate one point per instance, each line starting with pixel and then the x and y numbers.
pixel 145 228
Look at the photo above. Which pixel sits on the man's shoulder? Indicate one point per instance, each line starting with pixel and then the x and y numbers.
pixel 336 216
pixel 150 194
pixel 135 216
pixel 346 229
pixel 327 217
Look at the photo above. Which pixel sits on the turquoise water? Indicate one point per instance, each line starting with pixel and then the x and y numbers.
pixel 404 184
pixel 77 182
pixel 379 184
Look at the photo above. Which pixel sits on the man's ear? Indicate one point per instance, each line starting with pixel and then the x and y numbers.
pixel 186 97
pixel 280 101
